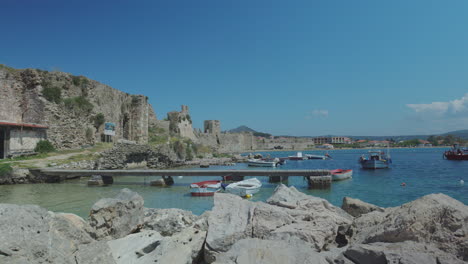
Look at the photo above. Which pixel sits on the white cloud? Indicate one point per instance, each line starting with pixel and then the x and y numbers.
pixel 443 109
pixel 317 113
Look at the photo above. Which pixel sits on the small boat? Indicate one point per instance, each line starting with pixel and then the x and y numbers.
pixel 339 174
pixel 298 156
pixel 262 163
pixel 375 160
pixel 245 187
pixel 456 153
pixel 322 157
pixel 229 178
pixel 205 188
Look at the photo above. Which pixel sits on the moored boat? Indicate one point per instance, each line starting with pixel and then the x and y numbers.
pixel 375 160
pixel 339 174
pixel 298 156
pixel 205 188
pixel 456 153
pixel 322 157
pixel 262 163
pixel 245 187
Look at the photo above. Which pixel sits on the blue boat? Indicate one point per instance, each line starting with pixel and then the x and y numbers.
pixel 375 160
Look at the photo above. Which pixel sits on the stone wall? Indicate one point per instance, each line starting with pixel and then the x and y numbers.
pixel 71 119
pixel 25 139
pixel 180 123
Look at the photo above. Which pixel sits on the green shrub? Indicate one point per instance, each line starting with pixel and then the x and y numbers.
pixel 5 168
pixel 78 104
pixel 89 134
pixel 79 81
pixel 52 94
pixel 44 146
pixel 98 120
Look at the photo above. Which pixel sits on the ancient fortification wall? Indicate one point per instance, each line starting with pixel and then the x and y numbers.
pixel 72 117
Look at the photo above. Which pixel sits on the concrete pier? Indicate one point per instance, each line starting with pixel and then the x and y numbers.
pixel 315 178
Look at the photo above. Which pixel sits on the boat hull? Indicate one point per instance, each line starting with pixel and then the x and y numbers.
pixel 374 164
pixel 261 163
pixel 316 157
pixel 246 187
pixel 206 188
pixel 339 175
pixel 456 156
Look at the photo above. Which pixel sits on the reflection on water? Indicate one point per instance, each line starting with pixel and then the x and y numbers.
pixel 423 171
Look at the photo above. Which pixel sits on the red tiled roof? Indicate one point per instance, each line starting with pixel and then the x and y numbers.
pixel 22 125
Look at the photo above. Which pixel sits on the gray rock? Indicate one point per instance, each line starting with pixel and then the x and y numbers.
pixel 168 221
pixel 96 252
pixel 356 207
pixel 150 247
pixel 314 221
pixel 256 251
pixel 435 219
pixel 287 197
pixel 117 217
pixel 402 252
pixel 31 234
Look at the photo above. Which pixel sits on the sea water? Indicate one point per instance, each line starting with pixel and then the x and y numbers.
pixel 423 170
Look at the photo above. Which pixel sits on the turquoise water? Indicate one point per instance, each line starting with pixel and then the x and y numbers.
pixel 423 170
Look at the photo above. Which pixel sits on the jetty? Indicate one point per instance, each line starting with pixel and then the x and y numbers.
pixel 315 178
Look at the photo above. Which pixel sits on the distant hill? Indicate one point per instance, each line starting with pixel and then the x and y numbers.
pixel 459 133
pixel 248 129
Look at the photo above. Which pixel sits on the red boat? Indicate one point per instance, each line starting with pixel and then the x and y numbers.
pixel 456 153
pixel 205 188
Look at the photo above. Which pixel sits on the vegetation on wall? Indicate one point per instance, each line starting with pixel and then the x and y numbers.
pixel 157 136
pixel 44 146
pixel 52 94
pixel 5 168
pixel 80 81
pixel 89 134
pixel 78 104
pixel 98 120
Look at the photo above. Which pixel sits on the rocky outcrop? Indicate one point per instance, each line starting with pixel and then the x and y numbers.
pixel 117 217
pixel 31 234
pixel 356 207
pixel 292 217
pixel 435 219
pixel 122 155
pixel 291 228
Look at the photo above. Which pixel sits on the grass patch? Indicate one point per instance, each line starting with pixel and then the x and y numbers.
pixel 78 104
pixel 5 168
pixel 52 94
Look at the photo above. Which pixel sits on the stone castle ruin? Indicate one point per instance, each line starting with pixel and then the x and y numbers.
pixel 70 111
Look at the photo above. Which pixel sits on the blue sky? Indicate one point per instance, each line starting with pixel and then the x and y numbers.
pixel 283 67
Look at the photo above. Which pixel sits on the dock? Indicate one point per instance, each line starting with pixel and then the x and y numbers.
pixel 315 178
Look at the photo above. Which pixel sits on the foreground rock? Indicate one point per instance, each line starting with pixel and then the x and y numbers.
pixel 299 219
pixel 291 228
pixel 117 217
pixel 30 234
pixel 356 207
pixel 435 219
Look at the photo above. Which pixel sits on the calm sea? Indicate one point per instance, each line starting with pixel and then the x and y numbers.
pixel 422 169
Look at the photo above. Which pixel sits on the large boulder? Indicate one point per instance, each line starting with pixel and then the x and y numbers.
pixel 112 218
pixel 256 251
pixel 168 221
pixel 293 217
pixel 402 252
pixel 30 234
pixel 356 207
pixel 435 219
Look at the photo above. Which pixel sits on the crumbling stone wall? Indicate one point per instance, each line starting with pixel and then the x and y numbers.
pixel 72 122
pixel 180 123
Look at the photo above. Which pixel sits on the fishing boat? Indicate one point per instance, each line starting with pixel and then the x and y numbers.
pixel 262 163
pixel 245 187
pixel 339 174
pixel 298 156
pixel 375 160
pixel 205 188
pixel 322 157
pixel 456 153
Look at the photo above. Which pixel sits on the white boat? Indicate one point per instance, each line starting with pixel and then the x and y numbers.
pixel 339 174
pixel 297 157
pixel 245 187
pixel 205 188
pixel 261 163
pixel 312 156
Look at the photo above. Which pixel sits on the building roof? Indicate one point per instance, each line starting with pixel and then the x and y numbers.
pixel 3 123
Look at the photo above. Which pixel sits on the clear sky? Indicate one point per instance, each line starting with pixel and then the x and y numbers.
pixel 283 67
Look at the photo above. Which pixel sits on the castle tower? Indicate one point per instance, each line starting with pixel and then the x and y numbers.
pixel 212 127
